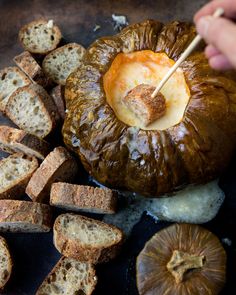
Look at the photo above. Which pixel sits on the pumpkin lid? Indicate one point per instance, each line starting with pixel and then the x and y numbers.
pixel 183 259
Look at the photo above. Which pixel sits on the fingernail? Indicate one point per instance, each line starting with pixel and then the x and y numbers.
pixel 203 25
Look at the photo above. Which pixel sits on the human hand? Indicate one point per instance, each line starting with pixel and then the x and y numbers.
pixel 219 33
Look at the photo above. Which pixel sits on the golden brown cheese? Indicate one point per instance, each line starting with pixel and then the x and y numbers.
pixel 145 67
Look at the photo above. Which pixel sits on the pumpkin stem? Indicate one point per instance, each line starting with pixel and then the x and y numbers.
pixel 181 263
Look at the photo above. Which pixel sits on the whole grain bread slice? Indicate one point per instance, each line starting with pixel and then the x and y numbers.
pixel 11 78
pixel 15 173
pixel 33 110
pixel 40 36
pixel 24 216
pixel 14 140
pixel 59 165
pixel 86 239
pixel 26 62
pixel 69 276
pixel 83 198
pixel 57 94
pixel 5 263
pixel 60 63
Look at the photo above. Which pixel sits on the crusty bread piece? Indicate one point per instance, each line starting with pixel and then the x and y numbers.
pixel 57 94
pixel 24 216
pixel 14 140
pixel 31 68
pixel 86 239
pixel 5 263
pixel 83 198
pixel 60 63
pixel 146 108
pixel 33 110
pixel 15 172
pixel 11 78
pixel 57 166
pixel 69 277
pixel 40 36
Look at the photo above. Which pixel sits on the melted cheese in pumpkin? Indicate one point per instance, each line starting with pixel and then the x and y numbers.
pixel 145 67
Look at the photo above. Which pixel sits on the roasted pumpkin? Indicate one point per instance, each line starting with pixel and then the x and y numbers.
pixel 183 259
pixel 195 148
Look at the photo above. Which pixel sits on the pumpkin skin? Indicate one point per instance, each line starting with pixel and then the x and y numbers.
pixel 196 150
pixel 153 276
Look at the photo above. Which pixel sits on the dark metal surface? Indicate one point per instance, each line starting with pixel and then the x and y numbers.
pixel 34 254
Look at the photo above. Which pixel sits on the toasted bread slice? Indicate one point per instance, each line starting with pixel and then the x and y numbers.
pixel 26 62
pixel 57 94
pixel 40 36
pixel 69 276
pixel 5 263
pixel 57 166
pixel 146 108
pixel 83 198
pixel 15 173
pixel 14 140
pixel 86 239
pixel 33 110
pixel 11 78
pixel 24 216
pixel 60 63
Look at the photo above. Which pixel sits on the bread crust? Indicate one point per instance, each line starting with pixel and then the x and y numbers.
pixel 73 249
pixel 3 97
pixel 15 140
pixel 92 276
pixel 46 102
pixel 82 197
pixel 26 62
pixel 54 76
pixel 57 36
pixel 7 275
pixel 139 100
pixel 58 165
pixel 57 94
pixel 24 212
pixel 17 190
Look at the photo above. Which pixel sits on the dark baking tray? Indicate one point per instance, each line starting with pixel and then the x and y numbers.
pixel 34 254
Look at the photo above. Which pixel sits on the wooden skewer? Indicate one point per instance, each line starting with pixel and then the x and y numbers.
pixel 184 55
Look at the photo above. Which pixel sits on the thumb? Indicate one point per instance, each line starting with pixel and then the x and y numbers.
pixel 220 33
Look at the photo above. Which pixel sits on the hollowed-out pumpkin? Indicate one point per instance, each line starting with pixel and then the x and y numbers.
pixel 192 143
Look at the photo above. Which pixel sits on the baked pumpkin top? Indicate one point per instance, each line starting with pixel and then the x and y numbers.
pixel 152 162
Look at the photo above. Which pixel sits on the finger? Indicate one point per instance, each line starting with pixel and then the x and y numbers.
pixel 221 33
pixel 229 7
pixel 211 51
pixel 220 62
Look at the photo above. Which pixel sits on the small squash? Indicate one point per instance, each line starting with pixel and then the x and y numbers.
pixel 182 259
